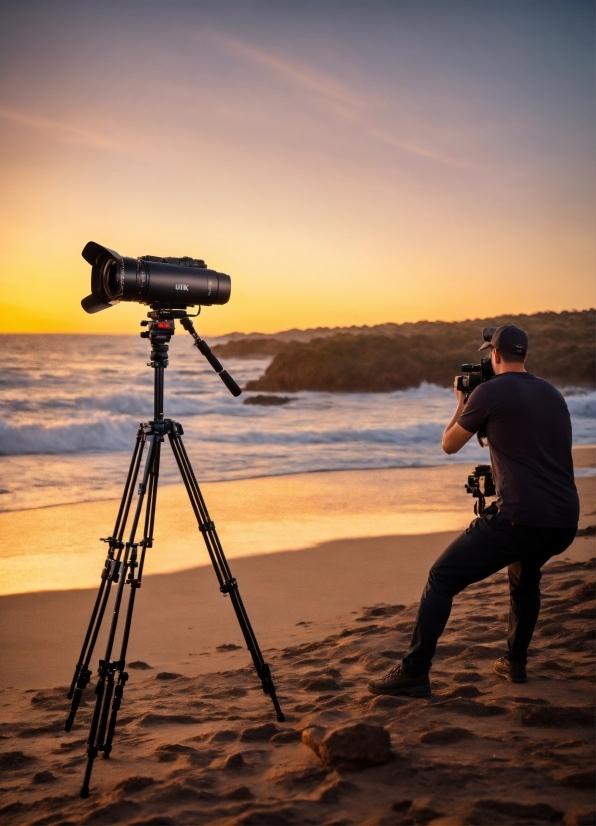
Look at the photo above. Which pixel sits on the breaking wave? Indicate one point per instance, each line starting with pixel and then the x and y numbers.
pixel 112 433
pixel 95 436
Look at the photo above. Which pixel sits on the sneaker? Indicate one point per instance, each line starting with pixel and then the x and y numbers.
pixel 397 682
pixel 514 672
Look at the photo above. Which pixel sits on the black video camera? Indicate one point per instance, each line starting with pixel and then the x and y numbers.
pixel 165 283
pixel 475 374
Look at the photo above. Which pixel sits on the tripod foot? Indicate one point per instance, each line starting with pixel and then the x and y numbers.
pixel 91 755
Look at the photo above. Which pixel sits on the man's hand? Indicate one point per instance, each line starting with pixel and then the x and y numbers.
pixel 459 394
pixel 455 436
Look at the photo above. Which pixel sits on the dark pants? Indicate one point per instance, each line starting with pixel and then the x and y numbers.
pixel 489 544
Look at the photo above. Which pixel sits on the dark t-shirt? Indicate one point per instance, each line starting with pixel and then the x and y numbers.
pixel 527 424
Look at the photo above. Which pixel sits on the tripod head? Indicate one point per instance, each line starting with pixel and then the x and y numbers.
pixel 161 328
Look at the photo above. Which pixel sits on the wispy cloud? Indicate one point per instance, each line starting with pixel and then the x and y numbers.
pixel 295 74
pixel 339 99
pixel 385 137
pixel 62 130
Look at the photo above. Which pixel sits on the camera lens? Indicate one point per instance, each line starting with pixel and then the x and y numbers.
pixel 111 279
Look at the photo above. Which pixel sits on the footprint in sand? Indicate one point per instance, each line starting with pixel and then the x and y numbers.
pixel 225 735
pixel 446 734
pixel 11 760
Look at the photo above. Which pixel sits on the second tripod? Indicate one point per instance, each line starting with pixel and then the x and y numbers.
pixel 126 557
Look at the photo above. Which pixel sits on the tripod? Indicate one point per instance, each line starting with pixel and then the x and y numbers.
pixel 125 559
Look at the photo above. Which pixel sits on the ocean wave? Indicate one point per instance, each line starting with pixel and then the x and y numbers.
pixel 112 433
pixel 99 435
pixel 90 422
pixel 139 405
pixel 421 433
pixel 582 405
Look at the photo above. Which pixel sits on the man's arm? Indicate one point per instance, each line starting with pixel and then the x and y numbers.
pixel 456 436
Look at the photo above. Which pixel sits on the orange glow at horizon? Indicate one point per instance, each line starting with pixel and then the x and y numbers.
pixel 335 189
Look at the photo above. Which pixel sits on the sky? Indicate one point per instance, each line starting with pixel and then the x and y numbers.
pixel 344 162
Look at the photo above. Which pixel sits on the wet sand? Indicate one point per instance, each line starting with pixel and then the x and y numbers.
pixel 57 548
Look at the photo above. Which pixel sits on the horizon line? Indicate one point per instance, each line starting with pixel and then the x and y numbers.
pixel 308 329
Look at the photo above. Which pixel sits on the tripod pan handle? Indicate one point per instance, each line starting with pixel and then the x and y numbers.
pixel 229 382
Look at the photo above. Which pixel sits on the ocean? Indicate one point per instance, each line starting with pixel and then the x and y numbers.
pixel 71 405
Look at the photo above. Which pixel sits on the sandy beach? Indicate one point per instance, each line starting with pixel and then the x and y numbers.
pixel 197 740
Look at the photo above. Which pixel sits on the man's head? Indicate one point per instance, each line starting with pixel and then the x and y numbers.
pixel 508 345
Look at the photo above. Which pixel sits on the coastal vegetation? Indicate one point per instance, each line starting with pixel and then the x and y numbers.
pixel 399 356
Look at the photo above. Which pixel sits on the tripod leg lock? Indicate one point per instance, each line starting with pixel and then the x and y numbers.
pixel 81 680
pixel 116 544
pixel 264 673
pixel 84 679
pixel 82 683
pixel 106 668
pixel 112 570
pixel 207 527
pixel 229 585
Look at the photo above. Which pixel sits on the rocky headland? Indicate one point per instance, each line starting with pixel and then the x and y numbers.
pixel 398 356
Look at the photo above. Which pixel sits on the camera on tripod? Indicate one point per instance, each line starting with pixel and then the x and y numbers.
pixel 167 283
pixel 481 484
pixel 169 286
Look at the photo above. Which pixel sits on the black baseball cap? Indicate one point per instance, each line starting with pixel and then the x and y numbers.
pixel 506 339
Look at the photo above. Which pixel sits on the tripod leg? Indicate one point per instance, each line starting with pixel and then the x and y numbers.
pixel 91 748
pixel 227 583
pixel 105 673
pixel 110 574
pixel 106 740
pixel 99 723
pixel 135 584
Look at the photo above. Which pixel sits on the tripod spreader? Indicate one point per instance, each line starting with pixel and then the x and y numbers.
pixel 204 348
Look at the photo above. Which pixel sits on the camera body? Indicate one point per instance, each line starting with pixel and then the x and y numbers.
pixel 167 283
pixel 474 374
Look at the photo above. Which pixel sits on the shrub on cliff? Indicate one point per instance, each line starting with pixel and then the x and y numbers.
pixel 561 350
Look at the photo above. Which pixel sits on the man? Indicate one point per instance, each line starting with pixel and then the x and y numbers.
pixel 527 425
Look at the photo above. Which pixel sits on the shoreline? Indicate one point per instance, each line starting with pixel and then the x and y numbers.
pixel 586 465
pixel 306 473
pixel 56 548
